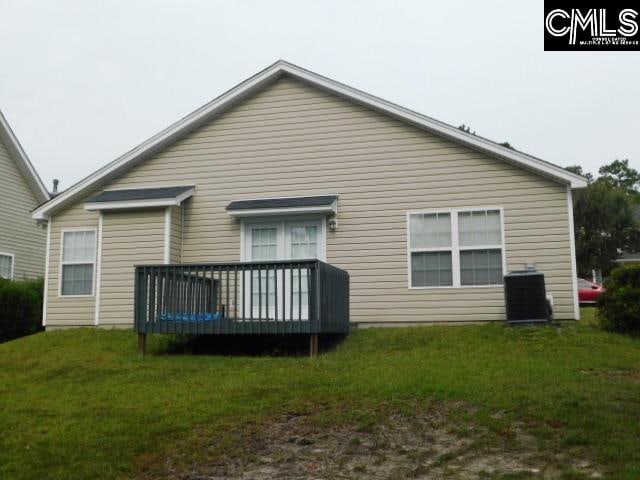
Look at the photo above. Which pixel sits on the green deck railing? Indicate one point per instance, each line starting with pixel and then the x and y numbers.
pixel 278 297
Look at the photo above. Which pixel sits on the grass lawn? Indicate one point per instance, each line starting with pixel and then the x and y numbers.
pixel 82 403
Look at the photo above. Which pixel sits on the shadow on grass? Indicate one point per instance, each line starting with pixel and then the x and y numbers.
pixel 246 345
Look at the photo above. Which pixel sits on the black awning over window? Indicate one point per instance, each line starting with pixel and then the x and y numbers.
pixel 284 202
pixel 133 194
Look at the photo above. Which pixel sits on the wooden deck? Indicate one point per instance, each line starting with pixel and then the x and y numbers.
pixel 303 297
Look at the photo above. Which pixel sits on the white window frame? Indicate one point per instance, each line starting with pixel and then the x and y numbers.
pixel 13 263
pixel 95 251
pixel 455 247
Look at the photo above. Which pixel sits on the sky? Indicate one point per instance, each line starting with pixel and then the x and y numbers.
pixel 82 82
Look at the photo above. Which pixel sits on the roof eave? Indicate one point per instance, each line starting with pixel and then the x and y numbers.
pixel 232 96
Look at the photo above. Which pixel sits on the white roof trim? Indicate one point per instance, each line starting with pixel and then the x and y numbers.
pixel 133 204
pixel 19 156
pixel 207 112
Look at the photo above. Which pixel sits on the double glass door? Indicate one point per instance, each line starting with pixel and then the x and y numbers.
pixel 285 240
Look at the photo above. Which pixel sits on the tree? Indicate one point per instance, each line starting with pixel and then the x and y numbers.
pixel 466 129
pixel 619 174
pixel 577 169
pixel 604 225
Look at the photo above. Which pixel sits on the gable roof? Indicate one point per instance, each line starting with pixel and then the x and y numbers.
pixel 18 155
pixel 267 76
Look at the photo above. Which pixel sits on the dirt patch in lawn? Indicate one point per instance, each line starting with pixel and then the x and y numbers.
pixel 424 445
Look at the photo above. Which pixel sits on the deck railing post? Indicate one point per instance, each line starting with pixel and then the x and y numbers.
pixel 142 343
pixel 317 293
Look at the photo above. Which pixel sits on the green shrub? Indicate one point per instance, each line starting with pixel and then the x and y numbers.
pixel 20 308
pixel 619 305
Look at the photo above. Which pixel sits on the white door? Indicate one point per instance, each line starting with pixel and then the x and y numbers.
pixel 283 240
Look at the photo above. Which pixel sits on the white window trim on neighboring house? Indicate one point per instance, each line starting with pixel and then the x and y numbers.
pixel 13 263
pixel 93 280
pixel 455 248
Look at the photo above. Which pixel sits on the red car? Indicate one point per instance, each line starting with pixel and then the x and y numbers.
pixel 588 292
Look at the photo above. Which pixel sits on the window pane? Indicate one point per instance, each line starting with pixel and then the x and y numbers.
pixel 431 269
pixel 79 246
pixel 481 267
pixel 260 284
pixel 6 266
pixel 479 228
pixel 430 230
pixel 303 241
pixel 264 244
pixel 300 289
pixel 77 279
pixel 494 236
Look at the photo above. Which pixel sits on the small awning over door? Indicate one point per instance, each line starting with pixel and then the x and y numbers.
pixel 261 207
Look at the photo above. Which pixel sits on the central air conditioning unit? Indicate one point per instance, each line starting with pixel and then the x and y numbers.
pixel 526 298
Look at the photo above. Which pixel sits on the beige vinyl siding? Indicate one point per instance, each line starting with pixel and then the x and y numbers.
pixel 176 235
pixel 128 239
pixel 19 233
pixel 292 139
pixel 64 310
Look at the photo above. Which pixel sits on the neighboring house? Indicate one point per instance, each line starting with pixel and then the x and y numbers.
pixel 424 217
pixel 22 240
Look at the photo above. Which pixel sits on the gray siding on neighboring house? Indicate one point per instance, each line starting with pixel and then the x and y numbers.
pixel 19 233
pixel 292 139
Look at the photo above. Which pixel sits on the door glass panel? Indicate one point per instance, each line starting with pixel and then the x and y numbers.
pixel 303 244
pixel 304 241
pixel 264 246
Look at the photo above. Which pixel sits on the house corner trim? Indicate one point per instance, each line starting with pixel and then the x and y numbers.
pixel 574 269
pixel 98 271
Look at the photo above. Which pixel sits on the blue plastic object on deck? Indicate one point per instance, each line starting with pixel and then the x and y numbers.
pixel 190 317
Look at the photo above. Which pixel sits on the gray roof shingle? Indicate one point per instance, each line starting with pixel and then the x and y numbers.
pixel 285 202
pixel 139 194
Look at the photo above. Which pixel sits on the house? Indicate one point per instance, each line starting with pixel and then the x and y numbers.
pixel 22 240
pixel 288 165
pixel 631 257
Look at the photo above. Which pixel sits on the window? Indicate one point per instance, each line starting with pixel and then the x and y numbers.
pixel 430 243
pixel 304 241
pixel 78 262
pixel 459 248
pixel 480 247
pixel 6 266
